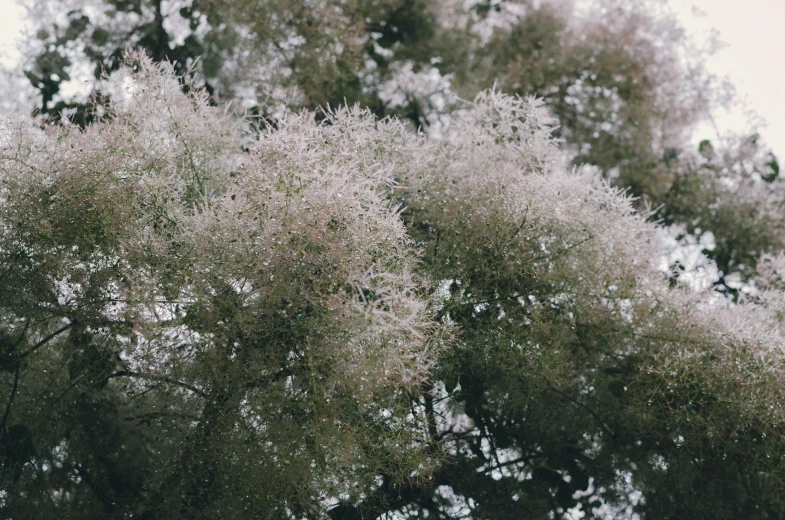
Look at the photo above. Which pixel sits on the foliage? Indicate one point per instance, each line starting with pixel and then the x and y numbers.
pixel 734 195
pixel 585 377
pixel 616 63
pixel 322 314
pixel 191 332
pixel 621 78
pixel 338 318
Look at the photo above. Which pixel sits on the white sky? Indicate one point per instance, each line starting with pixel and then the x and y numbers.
pixel 10 26
pixel 754 58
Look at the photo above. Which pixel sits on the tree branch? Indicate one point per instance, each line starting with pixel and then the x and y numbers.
pixel 602 424
pixel 10 399
pixel 46 340
pixel 162 379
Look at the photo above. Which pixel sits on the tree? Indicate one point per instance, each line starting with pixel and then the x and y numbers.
pixel 186 326
pixel 621 63
pixel 622 79
pixel 338 318
pixel 559 424
pixel 268 55
pixel 567 352
pixel 733 195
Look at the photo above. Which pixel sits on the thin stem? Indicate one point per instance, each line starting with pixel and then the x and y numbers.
pixel 523 223
pixel 162 379
pixel 46 340
pixel 11 399
pixel 592 412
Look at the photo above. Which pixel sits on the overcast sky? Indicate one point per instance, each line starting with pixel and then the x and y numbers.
pixel 754 57
pixel 10 25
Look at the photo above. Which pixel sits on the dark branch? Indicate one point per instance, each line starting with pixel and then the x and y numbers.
pixel 11 399
pixel 46 340
pixel 162 379
pixel 602 424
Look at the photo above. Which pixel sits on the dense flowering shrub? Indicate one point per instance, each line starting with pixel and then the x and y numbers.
pixel 340 318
